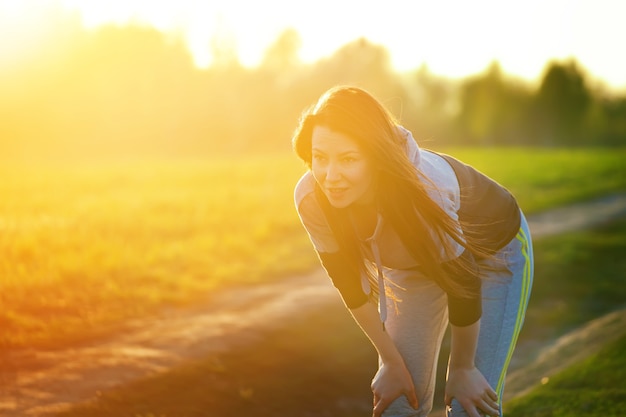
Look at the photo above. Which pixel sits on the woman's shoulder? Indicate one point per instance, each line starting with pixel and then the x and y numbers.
pixel 306 200
pixel 438 173
pixel 436 168
pixel 304 188
pixel 312 215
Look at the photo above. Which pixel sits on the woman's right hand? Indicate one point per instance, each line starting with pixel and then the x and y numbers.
pixel 390 382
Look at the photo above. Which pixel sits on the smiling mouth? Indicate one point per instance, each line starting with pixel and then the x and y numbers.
pixel 334 191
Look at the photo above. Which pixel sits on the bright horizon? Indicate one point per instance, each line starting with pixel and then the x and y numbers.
pixel 453 38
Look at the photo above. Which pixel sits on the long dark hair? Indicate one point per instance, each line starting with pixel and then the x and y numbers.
pixel 425 229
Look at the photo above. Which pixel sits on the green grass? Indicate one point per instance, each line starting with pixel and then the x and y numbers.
pixel 86 246
pixel 542 178
pixel 322 364
pixel 594 387
pixel 578 276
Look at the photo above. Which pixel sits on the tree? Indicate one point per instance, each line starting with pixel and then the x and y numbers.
pixel 282 55
pixel 366 65
pixel 614 111
pixel 492 109
pixel 561 104
pixel 429 106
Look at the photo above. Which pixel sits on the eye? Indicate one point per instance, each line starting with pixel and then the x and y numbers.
pixel 319 158
pixel 349 159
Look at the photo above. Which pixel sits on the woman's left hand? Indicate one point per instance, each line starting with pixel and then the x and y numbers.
pixel 470 388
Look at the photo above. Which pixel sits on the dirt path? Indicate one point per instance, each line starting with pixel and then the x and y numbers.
pixel 40 383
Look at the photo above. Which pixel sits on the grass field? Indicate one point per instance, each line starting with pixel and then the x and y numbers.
pixel 85 246
pixel 592 388
pixel 322 365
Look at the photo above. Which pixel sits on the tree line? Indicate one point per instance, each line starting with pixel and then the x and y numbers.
pixel 129 90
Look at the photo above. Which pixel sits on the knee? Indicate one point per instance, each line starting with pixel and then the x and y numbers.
pixel 402 408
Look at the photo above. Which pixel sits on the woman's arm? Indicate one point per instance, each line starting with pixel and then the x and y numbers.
pixel 392 379
pixel 465 382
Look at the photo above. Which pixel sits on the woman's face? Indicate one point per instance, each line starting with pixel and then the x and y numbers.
pixel 341 168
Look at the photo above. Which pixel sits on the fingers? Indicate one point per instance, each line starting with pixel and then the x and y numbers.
pixel 491 406
pixel 380 406
pixel 488 404
pixel 491 394
pixel 477 410
pixel 411 396
pixel 485 404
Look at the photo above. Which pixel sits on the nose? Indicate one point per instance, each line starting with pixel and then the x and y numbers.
pixel 333 172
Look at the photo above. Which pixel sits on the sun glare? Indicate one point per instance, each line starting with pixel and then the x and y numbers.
pixel 208 28
pixel 22 29
pixel 454 38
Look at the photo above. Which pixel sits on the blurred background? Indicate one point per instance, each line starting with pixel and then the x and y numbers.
pixel 119 78
pixel 146 165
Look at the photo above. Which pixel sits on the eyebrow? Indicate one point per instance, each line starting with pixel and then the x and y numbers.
pixel 341 154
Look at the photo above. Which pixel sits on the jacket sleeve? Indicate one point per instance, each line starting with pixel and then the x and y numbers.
pixel 464 310
pixel 345 277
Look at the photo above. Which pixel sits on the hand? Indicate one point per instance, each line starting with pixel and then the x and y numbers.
pixel 390 382
pixel 472 391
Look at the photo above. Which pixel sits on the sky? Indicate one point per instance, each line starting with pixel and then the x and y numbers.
pixel 454 38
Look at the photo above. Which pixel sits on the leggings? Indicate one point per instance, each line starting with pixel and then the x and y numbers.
pixel 418 317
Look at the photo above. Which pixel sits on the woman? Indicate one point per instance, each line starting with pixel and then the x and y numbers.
pixel 430 239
